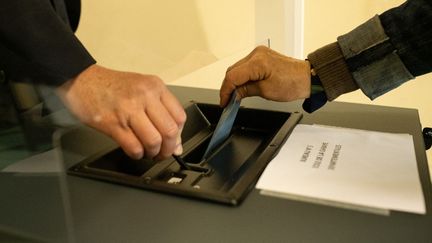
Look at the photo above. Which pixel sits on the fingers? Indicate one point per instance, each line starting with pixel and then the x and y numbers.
pixel 246 72
pixel 249 89
pixel 251 68
pixel 127 140
pixel 166 125
pixel 146 133
pixel 179 147
pixel 139 113
pixel 154 132
pixel 230 82
pixel 156 127
pixel 268 74
pixel 225 92
pixel 178 114
pixel 174 107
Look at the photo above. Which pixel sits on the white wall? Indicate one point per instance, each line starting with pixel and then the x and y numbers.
pixel 280 21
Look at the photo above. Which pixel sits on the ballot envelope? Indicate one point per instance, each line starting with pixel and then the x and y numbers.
pixel 226 174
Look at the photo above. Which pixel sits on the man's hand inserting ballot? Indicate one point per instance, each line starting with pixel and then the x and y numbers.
pixel 136 110
pixel 268 74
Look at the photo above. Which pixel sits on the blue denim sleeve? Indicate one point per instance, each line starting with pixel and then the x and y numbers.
pixel 390 49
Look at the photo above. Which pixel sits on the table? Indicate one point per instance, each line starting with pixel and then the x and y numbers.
pixel 55 207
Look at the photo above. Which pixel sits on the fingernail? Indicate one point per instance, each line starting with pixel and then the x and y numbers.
pixel 179 149
pixel 138 154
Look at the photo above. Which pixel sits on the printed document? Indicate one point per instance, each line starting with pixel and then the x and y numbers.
pixel 357 169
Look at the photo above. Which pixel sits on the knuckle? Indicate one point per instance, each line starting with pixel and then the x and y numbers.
pixel 229 69
pixel 165 154
pixel 181 118
pixel 149 84
pixel 259 60
pixel 260 48
pixel 155 78
pixel 171 131
pixel 156 81
pixel 231 78
pixel 153 143
pixel 103 123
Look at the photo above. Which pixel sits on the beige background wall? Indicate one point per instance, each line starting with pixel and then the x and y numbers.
pixel 165 37
pixel 327 19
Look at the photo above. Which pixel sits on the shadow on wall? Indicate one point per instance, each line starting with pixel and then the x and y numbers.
pixel 161 37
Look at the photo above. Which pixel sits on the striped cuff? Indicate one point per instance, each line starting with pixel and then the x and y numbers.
pixel 329 64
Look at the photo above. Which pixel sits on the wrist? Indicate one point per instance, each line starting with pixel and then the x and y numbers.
pixel 317 96
pixel 305 79
pixel 316 85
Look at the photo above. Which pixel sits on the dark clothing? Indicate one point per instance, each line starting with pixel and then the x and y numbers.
pixel 37 41
pixel 380 54
pixel 409 27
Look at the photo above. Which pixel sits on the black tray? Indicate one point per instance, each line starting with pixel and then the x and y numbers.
pixel 225 176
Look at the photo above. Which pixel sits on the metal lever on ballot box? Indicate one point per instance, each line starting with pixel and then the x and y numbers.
pixel 185 166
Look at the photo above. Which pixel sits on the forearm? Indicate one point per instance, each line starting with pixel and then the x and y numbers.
pixel 380 54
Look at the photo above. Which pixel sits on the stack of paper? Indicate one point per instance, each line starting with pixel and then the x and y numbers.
pixel 364 170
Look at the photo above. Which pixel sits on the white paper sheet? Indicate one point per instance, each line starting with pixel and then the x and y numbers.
pixel 365 170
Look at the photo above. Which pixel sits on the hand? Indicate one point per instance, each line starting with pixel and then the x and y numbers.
pixel 136 110
pixel 268 74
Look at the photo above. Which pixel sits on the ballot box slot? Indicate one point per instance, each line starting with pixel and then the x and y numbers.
pixel 240 149
pixel 194 155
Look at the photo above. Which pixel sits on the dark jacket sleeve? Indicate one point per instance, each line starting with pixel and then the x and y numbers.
pixel 409 28
pixel 379 55
pixel 36 45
